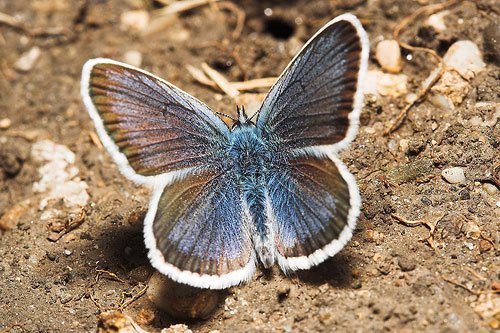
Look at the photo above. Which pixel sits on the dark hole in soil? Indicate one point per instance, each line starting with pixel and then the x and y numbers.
pixel 279 28
pixel 444 45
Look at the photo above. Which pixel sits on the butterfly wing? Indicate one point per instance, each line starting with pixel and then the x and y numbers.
pixel 195 228
pixel 149 126
pixel 197 231
pixel 316 102
pixel 310 113
pixel 314 203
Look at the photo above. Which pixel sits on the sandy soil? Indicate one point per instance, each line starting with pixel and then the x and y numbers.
pixel 61 272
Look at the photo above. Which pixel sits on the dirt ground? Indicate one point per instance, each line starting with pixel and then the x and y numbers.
pixel 61 273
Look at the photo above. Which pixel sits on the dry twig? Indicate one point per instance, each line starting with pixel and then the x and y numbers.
pixel 202 78
pixel 112 275
pixel 430 223
pixel 240 17
pixel 134 298
pixel 16 24
pixel 182 6
pixel 458 284
pixel 220 80
pixel 95 140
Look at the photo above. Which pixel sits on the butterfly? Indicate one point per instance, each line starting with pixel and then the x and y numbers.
pixel 225 198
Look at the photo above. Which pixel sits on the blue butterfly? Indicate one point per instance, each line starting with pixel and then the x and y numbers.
pixel 224 199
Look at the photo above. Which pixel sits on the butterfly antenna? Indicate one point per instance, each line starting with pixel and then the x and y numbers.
pixel 224 115
pixel 256 113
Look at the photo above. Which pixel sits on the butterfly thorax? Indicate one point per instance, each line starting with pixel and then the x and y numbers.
pixel 250 158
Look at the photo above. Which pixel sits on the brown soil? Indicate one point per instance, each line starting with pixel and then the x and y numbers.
pixel 388 278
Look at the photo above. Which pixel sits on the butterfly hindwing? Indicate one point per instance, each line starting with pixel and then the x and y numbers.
pixel 316 101
pixel 150 126
pixel 197 231
pixel 314 203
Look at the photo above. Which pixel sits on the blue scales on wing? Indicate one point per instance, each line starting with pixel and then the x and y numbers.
pixel 311 103
pixel 310 201
pixel 200 226
pixel 158 127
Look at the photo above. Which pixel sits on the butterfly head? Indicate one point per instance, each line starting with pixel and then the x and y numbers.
pixel 242 120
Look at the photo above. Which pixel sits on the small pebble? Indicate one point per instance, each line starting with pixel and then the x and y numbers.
pixel 180 300
pixel 33 259
pixel 145 317
pixel 10 163
pixel 283 292
pixel 65 297
pixel 491 42
pixel 325 317
pixel 464 195
pixel 411 97
pixel 133 57
pixel 67 252
pixel 114 321
pixel 436 21
pixel 28 59
pixel 384 84
pixel 464 57
pixel 140 273
pixel 490 188
pixel 495 285
pixel 441 101
pixel 469 245
pixel 177 328
pixel 374 236
pixel 5 123
pixel 454 175
pixel 471 230
pixel 13 216
pixel 388 55
pixel 426 201
pixel 484 246
pixel 357 284
pixel 407 264
pixel 135 20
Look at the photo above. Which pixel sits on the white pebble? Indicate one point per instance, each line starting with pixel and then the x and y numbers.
pixel 67 252
pixel 5 123
pixel 135 20
pixel 28 59
pixel 133 57
pixel 388 55
pixel 490 188
pixel 454 175
pixel 437 20
pixel 384 84
pixel 463 61
pixel 464 57
pixel 411 97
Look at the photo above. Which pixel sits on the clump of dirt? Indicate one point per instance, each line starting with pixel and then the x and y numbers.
pixel 404 270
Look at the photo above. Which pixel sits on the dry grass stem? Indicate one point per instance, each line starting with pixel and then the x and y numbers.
pixel 220 80
pixel 182 6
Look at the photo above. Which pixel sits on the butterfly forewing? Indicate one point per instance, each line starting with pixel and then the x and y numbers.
pixel 200 232
pixel 316 101
pixel 156 126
